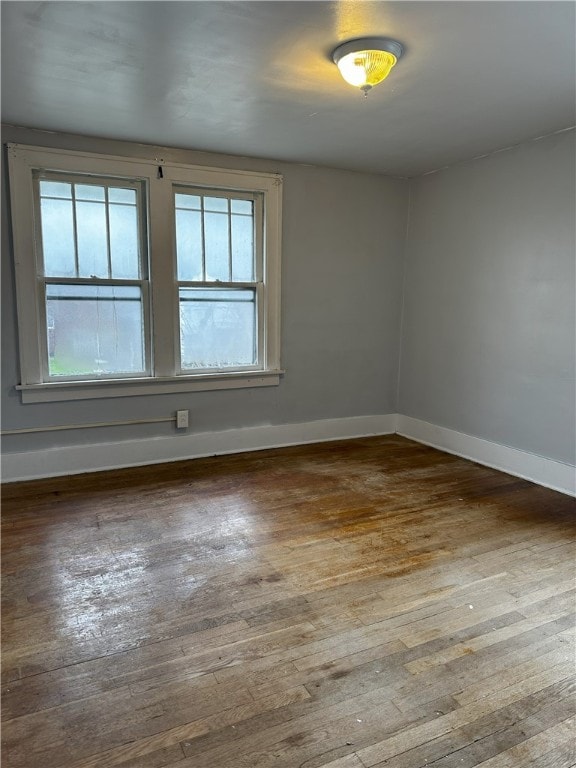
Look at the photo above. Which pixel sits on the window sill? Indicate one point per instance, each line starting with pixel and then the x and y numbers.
pixel 91 390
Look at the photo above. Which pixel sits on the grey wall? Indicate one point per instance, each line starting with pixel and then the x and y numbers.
pixel 489 320
pixel 343 238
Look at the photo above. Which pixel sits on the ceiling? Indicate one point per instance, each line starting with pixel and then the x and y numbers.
pixel 255 78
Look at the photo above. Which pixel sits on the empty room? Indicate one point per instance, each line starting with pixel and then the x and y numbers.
pixel 288 384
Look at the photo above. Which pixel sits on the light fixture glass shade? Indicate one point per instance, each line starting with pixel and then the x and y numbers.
pixel 366 62
pixel 366 68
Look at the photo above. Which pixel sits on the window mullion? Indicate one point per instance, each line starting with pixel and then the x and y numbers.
pixel 203 237
pixel 164 289
pixel 229 241
pixel 109 250
pixel 216 284
pixel 75 231
pixel 94 281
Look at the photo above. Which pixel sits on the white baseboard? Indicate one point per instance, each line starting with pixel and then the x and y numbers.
pixel 77 459
pixel 529 466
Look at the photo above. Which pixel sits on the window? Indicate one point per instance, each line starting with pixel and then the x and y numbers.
pixel 219 275
pixel 93 278
pixel 141 276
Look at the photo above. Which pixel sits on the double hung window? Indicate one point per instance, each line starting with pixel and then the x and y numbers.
pixel 142 276
pixel 93 281
pixel 219 279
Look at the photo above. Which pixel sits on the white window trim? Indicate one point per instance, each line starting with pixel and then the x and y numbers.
pixel 23 160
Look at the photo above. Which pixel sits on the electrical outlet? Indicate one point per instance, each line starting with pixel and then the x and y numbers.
pixel 182 419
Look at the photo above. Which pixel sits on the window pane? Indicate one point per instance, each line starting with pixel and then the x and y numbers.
pixel 216 204
pixel 55 189
pixel 217 328
pixel 118 195
pixel 89 192
pixel 242 248
pixel 189 245
pixel 94 329
pixel 188 201
pixel 92 241
pixel 124 241
pixel 241 206
pixel 216 245
pixel 57 237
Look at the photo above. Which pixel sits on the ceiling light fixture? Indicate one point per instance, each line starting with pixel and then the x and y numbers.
pixel 367 61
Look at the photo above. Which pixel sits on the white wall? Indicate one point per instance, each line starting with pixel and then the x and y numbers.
pixel 488 340
pixel 343 239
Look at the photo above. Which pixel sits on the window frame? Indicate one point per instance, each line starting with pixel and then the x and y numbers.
pixel 159 178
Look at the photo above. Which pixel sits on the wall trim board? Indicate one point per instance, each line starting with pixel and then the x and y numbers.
pixel 547 472
pixel 78 459
pixel 98 457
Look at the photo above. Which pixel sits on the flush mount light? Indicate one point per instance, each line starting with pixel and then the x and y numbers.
pixel 367 61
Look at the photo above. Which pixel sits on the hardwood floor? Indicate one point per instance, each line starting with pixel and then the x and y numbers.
pixel 358 604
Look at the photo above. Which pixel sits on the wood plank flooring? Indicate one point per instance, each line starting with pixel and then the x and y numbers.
pixel 360 604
